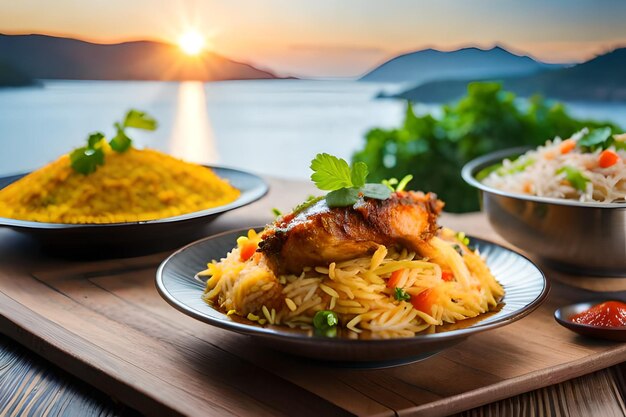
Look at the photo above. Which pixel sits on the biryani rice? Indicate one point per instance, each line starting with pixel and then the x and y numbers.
pixel 137 185
pixel 357 289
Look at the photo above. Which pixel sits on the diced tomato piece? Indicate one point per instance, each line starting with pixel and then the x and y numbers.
pixel 392 282
pixel 424 300
pixel 247 250
pixel 608 158
pixel 567 146
pixel 447 275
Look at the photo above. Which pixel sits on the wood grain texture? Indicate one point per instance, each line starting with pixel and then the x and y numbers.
pixel 30 386
pixel 56 393
pixel 598 394
pixel 104 322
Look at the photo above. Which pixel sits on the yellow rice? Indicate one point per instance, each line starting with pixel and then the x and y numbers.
pixel 136 185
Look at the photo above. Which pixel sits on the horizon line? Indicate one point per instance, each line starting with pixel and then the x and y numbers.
pixel 430 46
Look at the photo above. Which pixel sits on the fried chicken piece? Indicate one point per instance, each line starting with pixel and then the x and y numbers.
pixel 319 235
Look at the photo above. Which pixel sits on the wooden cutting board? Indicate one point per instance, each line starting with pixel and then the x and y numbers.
pixel 104 322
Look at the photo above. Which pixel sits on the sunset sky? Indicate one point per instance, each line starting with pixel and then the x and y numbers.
pixel 335 38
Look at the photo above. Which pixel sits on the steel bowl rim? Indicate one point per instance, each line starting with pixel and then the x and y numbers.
pixel 469 169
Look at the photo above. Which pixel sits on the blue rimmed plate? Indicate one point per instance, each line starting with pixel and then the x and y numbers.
pixel 524 283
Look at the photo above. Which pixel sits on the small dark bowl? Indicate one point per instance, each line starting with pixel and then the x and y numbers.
pixel 563 314
pixel 581 238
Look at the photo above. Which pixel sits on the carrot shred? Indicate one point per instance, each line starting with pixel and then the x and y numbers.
pixel 247 250
pixel 424 300
pixel 392 282
pixel 447 275
pixel 608 158
pixel 567 146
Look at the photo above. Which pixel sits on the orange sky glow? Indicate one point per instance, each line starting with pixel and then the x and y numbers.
pixel 330 38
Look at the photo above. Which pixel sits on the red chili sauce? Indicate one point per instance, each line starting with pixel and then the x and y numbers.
pixel 609 314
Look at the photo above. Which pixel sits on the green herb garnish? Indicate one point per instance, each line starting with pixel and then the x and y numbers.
pixel 390 183
pixel 342 197
pixel 458 249
pixel 485 172
pixel 401 295
pixel 140 120
pixel 460 236
pixel 574 176
pixel 310 200
pixel 517 165
pixel 135 119
pixel 596 139
pixel 120 142
pixel 85 160
pixel 404 182
pixel 394 185
pixel 325 323
pixel 276 212
pixel 344 183
pixel 331 173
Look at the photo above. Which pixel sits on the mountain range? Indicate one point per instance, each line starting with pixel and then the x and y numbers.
pixel 49 57
pixel 435 76
pixel 600 79
pixel 429 64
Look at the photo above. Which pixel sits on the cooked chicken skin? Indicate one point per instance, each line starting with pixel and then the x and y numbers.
pixel 320 235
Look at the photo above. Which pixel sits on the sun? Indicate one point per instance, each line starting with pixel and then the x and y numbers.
pixel 191 42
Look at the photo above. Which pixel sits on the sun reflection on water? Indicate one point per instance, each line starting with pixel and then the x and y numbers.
pixel 192 137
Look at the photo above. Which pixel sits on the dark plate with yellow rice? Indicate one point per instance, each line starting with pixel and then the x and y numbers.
pixel 525 289
pixel 132 238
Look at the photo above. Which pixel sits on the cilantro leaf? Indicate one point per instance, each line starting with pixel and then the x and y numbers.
pixel 85 160
pixel 330 173
pixel 401 295
pixel 342 197
pixel 377 191
pixel 120 142
pixel 574 176
pixel 596 139
pixel 94 139
pixel 358 174
pixel 140 120
pixel 346 184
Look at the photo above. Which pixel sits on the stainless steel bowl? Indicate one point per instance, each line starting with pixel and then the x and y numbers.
pixel 582 238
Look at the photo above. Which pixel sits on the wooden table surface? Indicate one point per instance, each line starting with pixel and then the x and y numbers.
pixel 29 385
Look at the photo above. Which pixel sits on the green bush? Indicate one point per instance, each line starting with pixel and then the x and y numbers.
pixel 435 149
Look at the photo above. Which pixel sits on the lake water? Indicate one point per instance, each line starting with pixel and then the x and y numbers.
pixel 270 127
